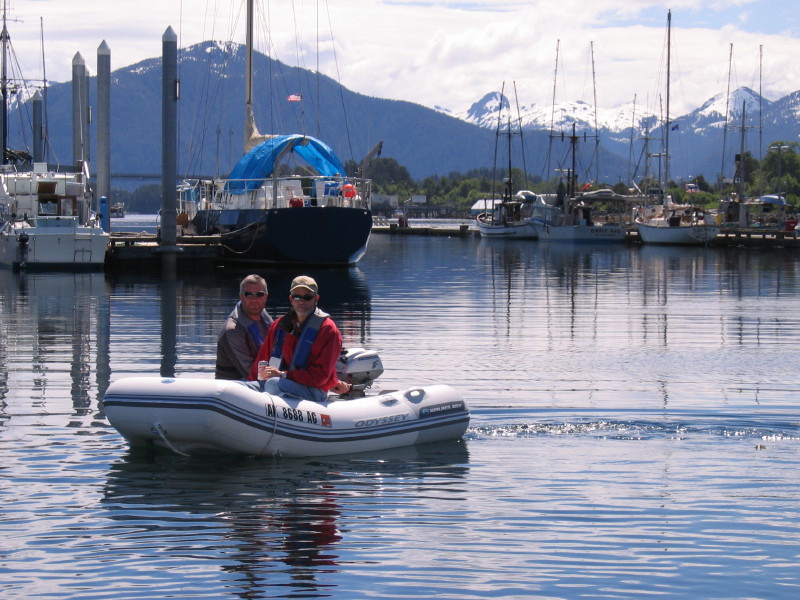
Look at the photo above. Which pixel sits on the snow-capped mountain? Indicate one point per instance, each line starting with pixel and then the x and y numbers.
pixel 494 108
pixel 723 104
pixel 742 103
pixel 696 138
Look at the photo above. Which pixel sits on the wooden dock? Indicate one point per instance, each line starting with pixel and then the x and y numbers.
pixel 394 229
pixel 757 237
pixel 745 237
pixel 142 251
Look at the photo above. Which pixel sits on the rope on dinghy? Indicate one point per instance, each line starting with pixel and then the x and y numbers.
pixel 274 423
pixel 158 429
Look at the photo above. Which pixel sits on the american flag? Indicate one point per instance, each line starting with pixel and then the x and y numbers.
pixel 295 97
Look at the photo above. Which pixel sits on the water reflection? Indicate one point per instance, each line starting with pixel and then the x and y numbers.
pixel 57 325
pixel 585 319
pixel 252 514
pixel 645 386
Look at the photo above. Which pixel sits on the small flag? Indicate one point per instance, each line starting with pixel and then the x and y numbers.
pixel 295 97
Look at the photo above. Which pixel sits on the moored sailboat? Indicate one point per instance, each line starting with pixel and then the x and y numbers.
pixel 511 216
pixel 675 224
pixel 579 219
pixel 572 216
pixel 668 223
pixel 260 213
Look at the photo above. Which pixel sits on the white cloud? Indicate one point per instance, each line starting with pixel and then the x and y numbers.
pixel 444 52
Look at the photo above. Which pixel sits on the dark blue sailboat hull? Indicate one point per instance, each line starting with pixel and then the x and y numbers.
pixel 326 236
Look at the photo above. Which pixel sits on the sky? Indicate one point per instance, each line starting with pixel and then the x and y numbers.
pixel 450 53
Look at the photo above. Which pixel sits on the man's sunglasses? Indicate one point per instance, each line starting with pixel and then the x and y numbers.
pixel 256 294
pixel 306 297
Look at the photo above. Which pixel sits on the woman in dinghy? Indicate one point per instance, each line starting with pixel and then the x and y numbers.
pixel 300 352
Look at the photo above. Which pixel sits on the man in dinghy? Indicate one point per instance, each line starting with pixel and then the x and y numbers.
pixel 244 330
pixel 300 352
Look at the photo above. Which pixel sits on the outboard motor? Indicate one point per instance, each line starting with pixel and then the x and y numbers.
pixel 359 367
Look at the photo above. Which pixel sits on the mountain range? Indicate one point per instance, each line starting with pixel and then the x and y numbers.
pixel 704 141
pixel 619 146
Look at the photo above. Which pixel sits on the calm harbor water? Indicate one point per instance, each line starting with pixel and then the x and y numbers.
pixel 635 432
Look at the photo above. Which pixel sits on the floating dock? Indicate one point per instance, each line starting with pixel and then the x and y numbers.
pixel 736 237
pixel 395 229
pixel 142 251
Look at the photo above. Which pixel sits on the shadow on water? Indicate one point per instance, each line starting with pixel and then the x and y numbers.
pixel 254 514
pixel 338 287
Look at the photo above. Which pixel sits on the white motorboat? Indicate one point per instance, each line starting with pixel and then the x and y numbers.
pixel 208 416
pixel 49 222
pixel 45 210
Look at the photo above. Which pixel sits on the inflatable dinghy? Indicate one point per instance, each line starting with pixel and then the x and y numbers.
pixel 211 416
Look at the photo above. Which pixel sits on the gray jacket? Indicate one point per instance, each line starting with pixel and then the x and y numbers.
pixel 236 348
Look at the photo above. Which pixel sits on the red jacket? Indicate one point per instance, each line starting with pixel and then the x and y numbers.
pixel 320 372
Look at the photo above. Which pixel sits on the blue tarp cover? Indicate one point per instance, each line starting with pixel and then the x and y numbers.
pixel 258 164
pixel 773 199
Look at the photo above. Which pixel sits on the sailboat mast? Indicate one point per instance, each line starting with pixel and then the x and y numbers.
pixel 250 130
pixel 552 114
pixel 760 105
pixel 727 115
pixel 521 142
pixel 666 133
pixel 742 162
pixel 508 180
pixel 497 136
pixel 596 126
pixel 44 141
pixel 4 84
pixel 573 180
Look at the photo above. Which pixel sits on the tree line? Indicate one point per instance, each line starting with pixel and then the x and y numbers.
pixel 778 172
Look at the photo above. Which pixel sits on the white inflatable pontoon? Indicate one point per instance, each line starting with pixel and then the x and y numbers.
pixel 211 416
